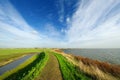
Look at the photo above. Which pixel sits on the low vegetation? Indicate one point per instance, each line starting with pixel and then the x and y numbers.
pixel 106 67
pixel 98 70
pixel 29 69
pixel 101 70
pixel 69 71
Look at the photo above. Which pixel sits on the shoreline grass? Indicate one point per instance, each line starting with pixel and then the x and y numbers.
pixel 98 70
pixel 70 71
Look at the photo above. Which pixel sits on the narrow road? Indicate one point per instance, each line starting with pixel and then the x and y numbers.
pixel 13 64
pixel 51 71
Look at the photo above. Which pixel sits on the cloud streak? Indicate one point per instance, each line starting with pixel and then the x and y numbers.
pixel 95 21
pixel 14 30
pixel 12 22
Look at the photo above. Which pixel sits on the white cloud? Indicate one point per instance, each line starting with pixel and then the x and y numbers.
pixel 93 23
pixel 12 21
pixel 14 30
pixel 68 20
pixel 96 23
pixel 51 30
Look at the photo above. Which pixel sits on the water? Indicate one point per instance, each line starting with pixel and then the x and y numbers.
pixel 107 55
pixel 13 64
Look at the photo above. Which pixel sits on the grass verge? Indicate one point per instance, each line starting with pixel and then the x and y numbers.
pixel 29 69
pixel 70 71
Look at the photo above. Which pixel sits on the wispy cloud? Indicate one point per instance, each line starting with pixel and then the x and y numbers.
pixel 12 22
pixel 14 30
pixel 61 8
pixel 51 31
pixel 94 22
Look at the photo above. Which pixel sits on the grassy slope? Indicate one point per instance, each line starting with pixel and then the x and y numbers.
pixel 8 55
pixel 28 70
pixel 102 70
pixel 69 71
pixel 98 70
pixel 21 66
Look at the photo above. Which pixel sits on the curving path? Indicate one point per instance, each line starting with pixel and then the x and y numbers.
pixel 51 71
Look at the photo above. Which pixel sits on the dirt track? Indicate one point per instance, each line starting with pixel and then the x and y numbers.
pixel 51 71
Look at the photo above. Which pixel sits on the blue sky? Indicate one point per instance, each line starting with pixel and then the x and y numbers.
pixel 60 23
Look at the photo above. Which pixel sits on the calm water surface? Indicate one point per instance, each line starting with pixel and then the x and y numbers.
pixel 107 55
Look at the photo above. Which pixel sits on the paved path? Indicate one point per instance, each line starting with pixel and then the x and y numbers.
pixel 51 71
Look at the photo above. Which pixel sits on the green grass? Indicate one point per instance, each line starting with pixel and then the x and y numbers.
pixel 21 66
pixel 8 54
pixel 69 71
pixel 32 67
pixel 15 51
pixel 27 70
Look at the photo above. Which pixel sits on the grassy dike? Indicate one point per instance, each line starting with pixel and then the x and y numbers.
pixel 70 71
pixel 27 70
pixel 48 61
pixel 96 69
pixel 51 70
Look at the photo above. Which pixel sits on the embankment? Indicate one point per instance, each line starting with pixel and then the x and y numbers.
pixel 98 70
